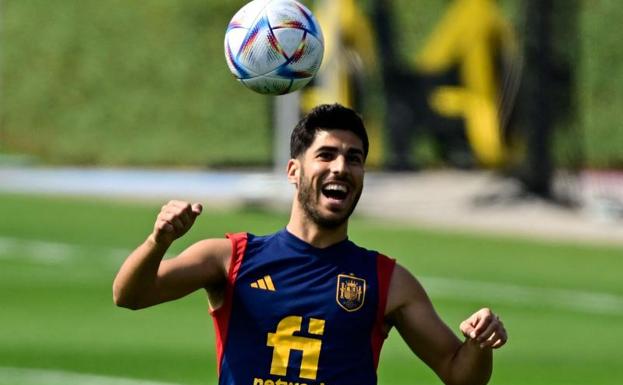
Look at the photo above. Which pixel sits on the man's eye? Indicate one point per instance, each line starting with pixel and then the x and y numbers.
pixel 325 155
pixel 355 159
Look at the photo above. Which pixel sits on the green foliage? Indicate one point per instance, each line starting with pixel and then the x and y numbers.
pixel 114 83
pixel 57 311
pixel 145 83
pixel 601 83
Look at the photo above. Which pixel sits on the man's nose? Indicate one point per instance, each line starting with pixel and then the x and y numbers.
pixel 339 165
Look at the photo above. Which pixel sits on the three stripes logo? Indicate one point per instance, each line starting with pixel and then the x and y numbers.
pixel 265 283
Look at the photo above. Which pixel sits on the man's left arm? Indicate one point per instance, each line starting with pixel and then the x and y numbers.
pixel 411 311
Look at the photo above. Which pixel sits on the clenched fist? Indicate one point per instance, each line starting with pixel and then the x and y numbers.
pixel 173 221
pixel 485 328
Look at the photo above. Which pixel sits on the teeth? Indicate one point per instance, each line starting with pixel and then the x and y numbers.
pixel 336 187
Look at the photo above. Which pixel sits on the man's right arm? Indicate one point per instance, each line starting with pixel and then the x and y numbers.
pixel 145 279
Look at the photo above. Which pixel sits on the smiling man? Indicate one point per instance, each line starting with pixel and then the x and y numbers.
pixel 305 305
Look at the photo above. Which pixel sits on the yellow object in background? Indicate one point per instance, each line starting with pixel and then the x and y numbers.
pixel 469 36
pixel 349 58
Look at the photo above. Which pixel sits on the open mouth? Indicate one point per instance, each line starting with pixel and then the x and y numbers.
pixel 335 191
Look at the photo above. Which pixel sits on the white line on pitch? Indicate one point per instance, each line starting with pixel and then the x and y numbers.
pixel 29 376
pixel 53 253
pixel 577 300
pixel 583 301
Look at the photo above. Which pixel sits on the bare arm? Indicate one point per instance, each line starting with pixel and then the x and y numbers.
pixel 411 311
pixel 145 279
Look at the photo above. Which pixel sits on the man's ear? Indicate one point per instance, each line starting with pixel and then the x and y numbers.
pixel 293 170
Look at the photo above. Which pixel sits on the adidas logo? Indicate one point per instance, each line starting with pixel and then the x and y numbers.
pixel 265 283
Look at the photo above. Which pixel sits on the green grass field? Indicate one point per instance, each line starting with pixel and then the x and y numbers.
pixel 562 303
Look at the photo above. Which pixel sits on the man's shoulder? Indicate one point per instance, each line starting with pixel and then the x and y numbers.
pixel 373 253
pixel 212 247
pixel 255 238
pixel 246 240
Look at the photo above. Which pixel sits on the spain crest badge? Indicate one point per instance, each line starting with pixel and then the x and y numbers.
pixel 351 292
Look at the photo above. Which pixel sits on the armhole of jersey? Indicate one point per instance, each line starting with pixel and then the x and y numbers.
pixel 221 315
pixel 384 270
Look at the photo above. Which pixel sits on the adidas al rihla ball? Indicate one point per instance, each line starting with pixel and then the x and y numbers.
pixel 274 46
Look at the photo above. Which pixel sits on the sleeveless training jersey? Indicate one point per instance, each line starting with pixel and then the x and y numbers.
pixel 296 314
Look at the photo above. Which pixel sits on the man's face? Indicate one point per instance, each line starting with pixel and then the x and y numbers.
pixel 330 178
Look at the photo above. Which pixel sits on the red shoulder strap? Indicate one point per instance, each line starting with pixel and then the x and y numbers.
pixel 239 246
pixel 222 314
pixel 384 270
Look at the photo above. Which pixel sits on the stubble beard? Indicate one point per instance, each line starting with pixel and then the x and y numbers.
pixel 308 199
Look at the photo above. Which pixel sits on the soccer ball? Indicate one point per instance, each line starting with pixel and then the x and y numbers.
pixel 274 46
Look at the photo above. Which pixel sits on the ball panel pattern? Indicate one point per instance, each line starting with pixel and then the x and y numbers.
pixel 288 39
pixel 286 13
pixel 248 14
pixel 268 85
pixel 304 62
pixel 233 41
pixel 260 52
pixel 274 46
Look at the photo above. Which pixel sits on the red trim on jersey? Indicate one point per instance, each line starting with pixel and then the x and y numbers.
pixel 384 270
pixel 221 315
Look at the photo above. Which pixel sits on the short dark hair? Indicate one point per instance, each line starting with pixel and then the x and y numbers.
pixel 326 117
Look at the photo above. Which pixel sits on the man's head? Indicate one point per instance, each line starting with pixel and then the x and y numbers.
pixel 328 148
pixel 326 117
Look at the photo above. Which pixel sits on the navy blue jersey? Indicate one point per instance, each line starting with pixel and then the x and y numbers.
pixel 297 314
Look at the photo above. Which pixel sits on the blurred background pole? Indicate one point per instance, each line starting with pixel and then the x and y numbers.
pixel 401 90
pixel 538 167
pixel 549 97
pixel 1 54
pixel 286 115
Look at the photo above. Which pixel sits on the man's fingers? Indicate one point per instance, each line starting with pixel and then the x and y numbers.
pixel 184 210
pixel 483 319
pixel 491 328
pixel 499 343
pixel 173 216
pixel 163 225
pixel 197 209
pixel 485 328
pixel 493 338
pixel 467 329
pixel 496 340
pixel 178 204
pixel 482 325
pixel 173 219
pixel 176 218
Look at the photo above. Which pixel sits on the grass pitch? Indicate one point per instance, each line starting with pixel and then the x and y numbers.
pixel 562 303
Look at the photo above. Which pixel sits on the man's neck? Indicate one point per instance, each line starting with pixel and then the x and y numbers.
pixel 320 237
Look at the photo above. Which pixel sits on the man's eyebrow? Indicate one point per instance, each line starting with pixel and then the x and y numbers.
pixel 357 151
pixel 354 150
pixel 326 148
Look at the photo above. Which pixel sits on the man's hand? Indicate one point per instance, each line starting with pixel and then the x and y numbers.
pixel 174 220
pixel 485 328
